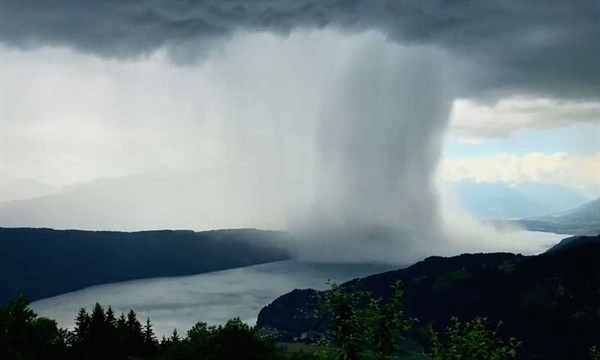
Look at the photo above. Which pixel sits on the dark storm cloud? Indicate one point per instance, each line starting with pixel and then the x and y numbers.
pixel 545 47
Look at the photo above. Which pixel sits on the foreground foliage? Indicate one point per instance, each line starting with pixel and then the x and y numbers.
pixel 234 340
pixel 24 335
pixel 100 335
pixel 595 353
pixel 362 328
pixel 472 341
pixel 370 328
pixel 363 324
pixel 549 302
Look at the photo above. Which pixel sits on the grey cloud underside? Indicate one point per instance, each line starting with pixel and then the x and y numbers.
pixel 543 47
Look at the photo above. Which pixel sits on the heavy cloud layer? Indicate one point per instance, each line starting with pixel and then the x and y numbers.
pixel 543 47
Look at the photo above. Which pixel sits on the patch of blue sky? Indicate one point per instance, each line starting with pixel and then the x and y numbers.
pixel 576 140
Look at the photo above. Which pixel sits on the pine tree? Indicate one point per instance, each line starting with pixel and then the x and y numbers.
pixel 98 332
pixel 110 319
pixel 98 314
pixel 164 342
pixel 122 323
pixel 150 343
pixel 121 338
pixel 133 324
pixel 97 322
pixel 81 332
pixel 148 333
pixel 110 334
pixel 174 337
pixel 134 339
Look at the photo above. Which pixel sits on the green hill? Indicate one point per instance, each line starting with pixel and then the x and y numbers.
pixel 43 262
pixel 548 302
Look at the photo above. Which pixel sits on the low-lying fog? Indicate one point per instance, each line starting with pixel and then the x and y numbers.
pixel 180 302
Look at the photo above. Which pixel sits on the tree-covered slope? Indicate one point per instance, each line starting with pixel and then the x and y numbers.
pixel 550 302
pixel 43 262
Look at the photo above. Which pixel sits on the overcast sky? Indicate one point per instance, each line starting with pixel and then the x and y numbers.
pixel 95 89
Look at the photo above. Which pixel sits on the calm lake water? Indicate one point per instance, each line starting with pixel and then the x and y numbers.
pixel 180 302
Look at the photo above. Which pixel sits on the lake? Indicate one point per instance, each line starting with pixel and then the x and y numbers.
pixel 180 302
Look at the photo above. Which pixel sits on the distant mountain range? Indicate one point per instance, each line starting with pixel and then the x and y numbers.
pixel 583 220
pixel 515 201
pixel 548 302
pixel 163 199
pixel 535 206
pixel 26 189
pixel 159 199
pixel 40 263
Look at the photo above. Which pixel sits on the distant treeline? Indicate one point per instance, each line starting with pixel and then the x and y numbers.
pixel 45 262
pixel 102 335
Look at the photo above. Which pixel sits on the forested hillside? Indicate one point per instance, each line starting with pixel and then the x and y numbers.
pixel 43 262
pixel 550 302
